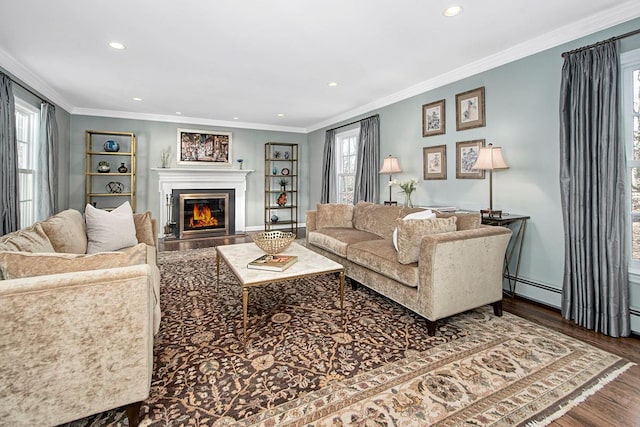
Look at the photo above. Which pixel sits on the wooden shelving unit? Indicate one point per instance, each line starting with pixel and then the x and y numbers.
pixel 281 163
pixel 96 184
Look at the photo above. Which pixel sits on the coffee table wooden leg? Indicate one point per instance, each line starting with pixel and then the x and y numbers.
pixel 245 303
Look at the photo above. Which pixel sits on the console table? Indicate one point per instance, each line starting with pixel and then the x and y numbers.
pixel 520 228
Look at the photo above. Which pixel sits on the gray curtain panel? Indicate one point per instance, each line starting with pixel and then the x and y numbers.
pixel 329 191
pixel 9 207
pixel 595 291
pixel 47 171
pixel 367 180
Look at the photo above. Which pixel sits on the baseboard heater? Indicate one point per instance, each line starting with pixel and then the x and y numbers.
pixel 632 311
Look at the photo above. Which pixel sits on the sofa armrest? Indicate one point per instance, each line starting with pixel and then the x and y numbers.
pixel 311 221
pixel 461 270
pixel 75 344
pixel 154 227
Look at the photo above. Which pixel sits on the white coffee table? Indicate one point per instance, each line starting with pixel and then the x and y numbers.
pixel 309 264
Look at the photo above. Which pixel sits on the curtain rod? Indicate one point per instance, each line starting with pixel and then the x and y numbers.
pixel 353 123
pixel 591 46
pixel 40 97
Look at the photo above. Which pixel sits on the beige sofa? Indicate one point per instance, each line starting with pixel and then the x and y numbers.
pixel 76 330
pixel 442 267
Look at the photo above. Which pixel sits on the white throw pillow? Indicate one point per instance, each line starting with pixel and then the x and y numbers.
pixel 425 214
pixel 110 231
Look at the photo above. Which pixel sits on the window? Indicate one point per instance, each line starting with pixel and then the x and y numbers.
pixel 27 123
pixel 347 151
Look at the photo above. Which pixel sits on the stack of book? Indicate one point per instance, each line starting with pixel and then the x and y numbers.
pixel 273 262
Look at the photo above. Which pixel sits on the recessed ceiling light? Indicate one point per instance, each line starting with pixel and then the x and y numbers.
pixel 236 118
pixel 137 99
pixel 452 11
pixel 178 112
pixel 333 84
pixel 280 114
pixel 117 45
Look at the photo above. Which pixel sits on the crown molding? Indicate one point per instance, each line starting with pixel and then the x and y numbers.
pixel 35 83
pixel 587 26
pixel 184 120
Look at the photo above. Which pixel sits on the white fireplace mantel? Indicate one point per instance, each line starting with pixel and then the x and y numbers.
pixel 170 179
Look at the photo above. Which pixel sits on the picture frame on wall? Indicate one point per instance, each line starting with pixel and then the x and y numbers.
pixel 470 109
pixel 434 162
pixel 203 148
pixel 433 118
pixel 466 156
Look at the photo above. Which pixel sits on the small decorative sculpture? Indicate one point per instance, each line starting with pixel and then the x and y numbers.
pixel 274 218
pixel 115 187
pixel 103 167
pixel 165 156
pixel 111 146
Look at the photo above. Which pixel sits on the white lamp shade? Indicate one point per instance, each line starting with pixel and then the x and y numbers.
pixel 490 158
pixel 390 166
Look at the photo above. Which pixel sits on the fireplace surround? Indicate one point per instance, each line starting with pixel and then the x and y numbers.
pixel 198 180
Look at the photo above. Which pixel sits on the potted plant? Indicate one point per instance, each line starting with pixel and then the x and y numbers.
pixel 283 184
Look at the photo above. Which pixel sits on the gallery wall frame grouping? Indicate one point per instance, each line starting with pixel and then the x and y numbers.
pixel 470 114
pixel 203 147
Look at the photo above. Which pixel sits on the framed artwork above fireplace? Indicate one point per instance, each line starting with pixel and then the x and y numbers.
pixel 203 148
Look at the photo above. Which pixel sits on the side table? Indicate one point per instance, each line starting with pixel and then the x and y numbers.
pixel 517 240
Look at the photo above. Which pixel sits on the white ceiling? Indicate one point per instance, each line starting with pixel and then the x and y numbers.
pixel 215 60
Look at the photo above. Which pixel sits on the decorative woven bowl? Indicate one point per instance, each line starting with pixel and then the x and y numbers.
pixel 273 242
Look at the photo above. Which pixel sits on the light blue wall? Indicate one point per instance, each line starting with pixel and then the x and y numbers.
pixel 153 137
pixel 522 117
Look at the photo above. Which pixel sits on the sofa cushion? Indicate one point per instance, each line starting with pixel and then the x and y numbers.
pixel 110 231
pixel 376 219
pixel 466 220
pixel 30 239
pixel 66 232
pixel 419 214
pixel 16 265
pixel 411 232
pixel 380 256
pixel 338 239
pixel 144 228
pixel 334 215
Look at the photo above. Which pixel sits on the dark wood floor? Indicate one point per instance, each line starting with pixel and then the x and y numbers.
pixel 617 404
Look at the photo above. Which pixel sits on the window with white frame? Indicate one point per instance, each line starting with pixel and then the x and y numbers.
pixel 27 124
pixel 347 152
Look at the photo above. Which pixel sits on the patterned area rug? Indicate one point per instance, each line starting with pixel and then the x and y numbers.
pixel 306 365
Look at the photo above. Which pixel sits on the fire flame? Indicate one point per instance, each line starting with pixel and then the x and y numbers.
pixel 202 217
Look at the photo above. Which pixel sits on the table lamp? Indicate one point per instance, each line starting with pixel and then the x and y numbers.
pixel 390 166
pixel 490 158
